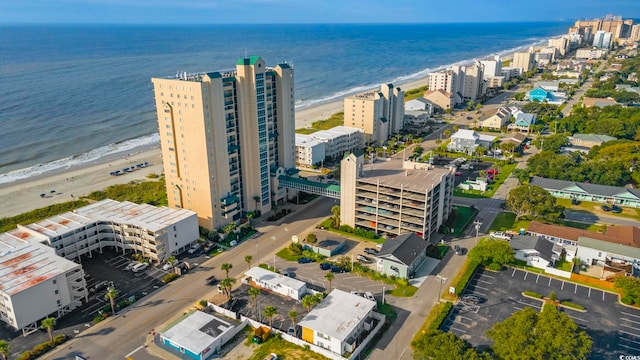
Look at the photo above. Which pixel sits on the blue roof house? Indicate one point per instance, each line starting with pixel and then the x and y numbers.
pixel 540 94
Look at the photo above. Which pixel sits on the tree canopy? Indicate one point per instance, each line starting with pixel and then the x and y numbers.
pixel 530 201
pixel 528 334
pixel 491 251
pixel 436 345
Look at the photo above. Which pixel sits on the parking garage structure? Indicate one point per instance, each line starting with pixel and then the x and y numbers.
pixel 394 197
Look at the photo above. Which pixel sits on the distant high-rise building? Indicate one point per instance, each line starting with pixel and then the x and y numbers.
pixel 602 40
pixel 378 113
pixel 563 44
pixel 492 67
pixel 635 33
pixel 619 28
pixel 524 61
pixel 226 136
pixel 473 81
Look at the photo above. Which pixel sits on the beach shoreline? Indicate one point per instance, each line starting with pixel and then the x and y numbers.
pixel 79 180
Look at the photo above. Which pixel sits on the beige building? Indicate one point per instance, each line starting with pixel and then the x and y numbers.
pixel 497 119
pixel 561 43
pixel 473 87
pixel 524 61
pixel 226 137
pixel 378 113
pixel 394 197
pixel 450 81
pixel 619 28
pixel 440 98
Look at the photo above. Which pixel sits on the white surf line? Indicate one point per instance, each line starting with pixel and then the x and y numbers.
pixel 134 351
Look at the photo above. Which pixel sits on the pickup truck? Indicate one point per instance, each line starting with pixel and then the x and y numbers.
pixel 499 235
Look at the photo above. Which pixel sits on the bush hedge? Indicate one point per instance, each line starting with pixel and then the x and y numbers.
pixel 435 325
pixel 169 278
pixel 42 348
pixel 572 305
pixel 466 276
pixel 627 300
pixel 533 294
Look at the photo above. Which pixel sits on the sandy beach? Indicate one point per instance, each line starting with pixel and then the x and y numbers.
pixel 25 195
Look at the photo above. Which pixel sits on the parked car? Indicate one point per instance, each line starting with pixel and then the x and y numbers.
pixel 364 259
pixel 371 251
pixel 166 267
pixel 369 296
pixel 325 266
pixel 471 299
pixel 290 274
pixel 492 171
pixel 337 269
pixel 606 208
pixel 499 235
pixel 130 265
pixel 139 267
pixel 194 248
pixel 354 292
pixel 616 209
pixel 305 260
pixel 271 356
pixel 291 331
pixel 575 202
pixel 458 250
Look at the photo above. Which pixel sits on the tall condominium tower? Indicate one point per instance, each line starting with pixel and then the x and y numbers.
pixel 226 137
pixel 379 113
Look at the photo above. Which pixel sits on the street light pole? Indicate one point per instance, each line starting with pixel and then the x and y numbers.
pixel 477 224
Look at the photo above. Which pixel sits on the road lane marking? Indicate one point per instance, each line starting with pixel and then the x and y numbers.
pixel 549 282
pixel 562 287
pixel 134 351
pixel 537 278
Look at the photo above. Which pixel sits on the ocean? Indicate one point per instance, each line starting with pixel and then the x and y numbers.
pixel 73 94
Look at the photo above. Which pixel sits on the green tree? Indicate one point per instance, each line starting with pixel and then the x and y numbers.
pixel 256 198
pixel 247 259
pixel 48 324
pixel 530 201
pixel 478 107
pixel 250 215
pixel 447 133
pixel 293 315
pixel 171 260
pixel 227 284
pixel 229 228
pixel 329 276
pixel 226 267
pixel 311 238
pixel 253 293
pixel 5 348
pixel 528 334
pixel 310 301
pixel 630 288
pixel 269 312
pixel 490 251
pixel 519 96
pixel 437 345
pixel 111 295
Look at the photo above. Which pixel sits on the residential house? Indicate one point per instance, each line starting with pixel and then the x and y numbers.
pixel 542 95
pixel 547 85
pixel 497 119
pixel 522 122
pixel 618 252
pixel 200 335
pixel 535 250
pixel 274 282
pixel 517 139
pixel 441 99
pixel 401 256
pixel 589 192
pixel 339 323
pixel 417 111
pixel 589 140
pixel 465 140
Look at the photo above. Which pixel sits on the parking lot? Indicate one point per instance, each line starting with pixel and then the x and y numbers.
pixel 614 328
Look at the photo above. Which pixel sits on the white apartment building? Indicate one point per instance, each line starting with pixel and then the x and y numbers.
pixel 309 151
pixel 590 54
pixel 602 40
pixel 226 137
pixel 378 113
pixel 394 197
pixel 450 81
pixel 340 139
pixel 35 283
pixel 524 61
pixel 510 72
pixel 154 232
pixel 492 67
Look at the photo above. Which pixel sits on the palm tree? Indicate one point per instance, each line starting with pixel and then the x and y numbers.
pixel 254 292
pixel 308 302
pixel 172 261
pixel 5 347
pixel 48 323
pixel 111 295
pixel 269 312
pixel 248 259
pixel 227 284
pixel 447 133
pixel 335 210
pixel 456 128
pixel 226 267
pixel 293 315
pixel 256 198
pixel 329 276
pixel 311 238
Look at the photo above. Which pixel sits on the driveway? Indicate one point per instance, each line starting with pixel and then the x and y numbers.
pixel 612 326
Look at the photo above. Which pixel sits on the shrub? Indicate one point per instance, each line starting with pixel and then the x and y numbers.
pixel 169 278
pixel 441 316
pixel 203 303
pixel 495 267
pixel 25 355
pixel 553 296
pixel 533 294
pixel 39 349
pixel 296 248
pixel 627 300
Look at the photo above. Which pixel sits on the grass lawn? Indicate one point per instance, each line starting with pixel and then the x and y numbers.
pixel 583 226
pixel 507 221
pixel 464 216
pixel 285 350
pixel 498 180
pixel 564 265
pixel 327 225
pixel 286 254
pixel 403 291
pixel 306 131
pixel 596 208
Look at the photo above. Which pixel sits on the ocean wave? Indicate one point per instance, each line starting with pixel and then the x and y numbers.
pixel 92 156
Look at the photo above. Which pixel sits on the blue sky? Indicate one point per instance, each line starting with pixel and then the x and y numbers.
pixel 306 11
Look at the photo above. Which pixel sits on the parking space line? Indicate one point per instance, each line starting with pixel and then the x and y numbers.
pixel 631 327
pixel 549 282
pixel 589 295
pixel 638 316
pixel 489 276
pixel 514 272
pixel 518 308
pixel 466 318
pixel 603 293
pixel 486 282
pixel 456 329
pixel 537 278
pixel 479 287
pixel 576 318
pixel 562 286
pixel 576 290
pixel 629 347
pixel 630 340
pixel 479 293
pixel 629 333
pixel 629 320
pixel 525 275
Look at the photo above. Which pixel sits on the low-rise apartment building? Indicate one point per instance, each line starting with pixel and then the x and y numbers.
pixel 309 151
pixel 339 140
pixel 394 197
pixel 590 54
pixel 465 140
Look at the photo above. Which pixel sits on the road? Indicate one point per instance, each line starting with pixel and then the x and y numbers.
pixel 125 334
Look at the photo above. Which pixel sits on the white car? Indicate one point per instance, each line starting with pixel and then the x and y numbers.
pixel 166 267
pixel 499 235
pixel 194 248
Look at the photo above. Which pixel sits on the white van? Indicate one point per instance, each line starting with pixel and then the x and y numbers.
pixel 368 295
pixel 139 267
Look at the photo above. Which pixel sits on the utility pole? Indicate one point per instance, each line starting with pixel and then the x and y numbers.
pixel 477 225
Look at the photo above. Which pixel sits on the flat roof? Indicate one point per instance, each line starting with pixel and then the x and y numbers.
pixel 335 132
pixel 25 263
pixel 338 314
pixel 197 331
pixel 274 279
pixel 307 140
pixel 392 174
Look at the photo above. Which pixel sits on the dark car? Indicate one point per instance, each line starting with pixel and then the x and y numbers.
pixel 211 280
pixel 575 202
pixel 616 209
pixel 471 299
pixel 325 266
pixel 458 250
pixel 606 208
pixel 371 251
pixel 337 269
pixel 364 259
pixel 305 260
